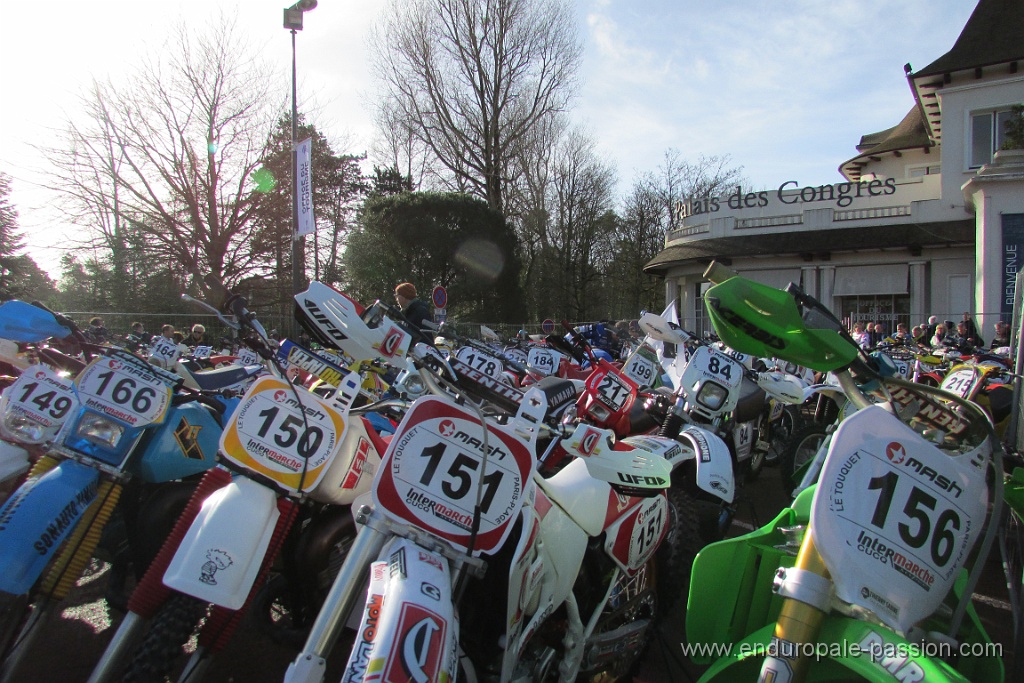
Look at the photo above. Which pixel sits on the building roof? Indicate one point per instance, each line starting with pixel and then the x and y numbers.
pixel 993 35
pixel 910 133
pixel 991 43
pixel 814 243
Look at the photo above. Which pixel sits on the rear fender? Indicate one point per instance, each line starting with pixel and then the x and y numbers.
pixel 221 554
pixel 38 517
pixel 409 630
pixel 714 462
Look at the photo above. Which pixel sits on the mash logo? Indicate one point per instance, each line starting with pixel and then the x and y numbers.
pixel 896 452
pixel 40 375
pixel 114 364
pixel 419 647
pixel 589 442
pixel 446 428
pixel 280 395
pixel 392 342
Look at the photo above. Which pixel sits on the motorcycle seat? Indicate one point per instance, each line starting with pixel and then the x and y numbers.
pixel 219 378
pixel 751 401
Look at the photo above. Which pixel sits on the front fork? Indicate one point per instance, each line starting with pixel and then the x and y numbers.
pixel 66 568
pixel 311 663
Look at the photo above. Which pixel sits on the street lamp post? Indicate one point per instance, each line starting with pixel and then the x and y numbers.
pixel 293 22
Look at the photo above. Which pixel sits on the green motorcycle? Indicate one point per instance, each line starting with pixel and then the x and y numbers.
pixel 869 574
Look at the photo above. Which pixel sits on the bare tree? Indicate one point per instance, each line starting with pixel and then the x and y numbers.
pixel 577 239
pixel 472 78
pixel 171 154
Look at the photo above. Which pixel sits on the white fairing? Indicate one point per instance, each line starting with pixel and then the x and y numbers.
pixel 409 631
pixel 351 471
pixel 714 463
pixel 782 386
pixel 221 554
pixel 584 498
pixel 337 317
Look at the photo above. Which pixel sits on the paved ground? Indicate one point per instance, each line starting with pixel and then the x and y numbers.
pixel 72 644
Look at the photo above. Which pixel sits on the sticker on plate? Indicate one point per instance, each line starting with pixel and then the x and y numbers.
pixel 126 388
pixel 284 432
pixel 435 469
pixel 481 362
pixel 42 396
pixel 894 517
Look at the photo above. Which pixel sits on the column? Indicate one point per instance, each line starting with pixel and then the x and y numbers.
pixel 919 291
pixel 809 277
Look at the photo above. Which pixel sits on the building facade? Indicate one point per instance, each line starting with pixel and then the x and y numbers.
pixel 929 219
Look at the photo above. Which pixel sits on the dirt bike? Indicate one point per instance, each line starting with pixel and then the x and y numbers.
pixel 290 459
pixel 870 580
pixel 714 388
pixel 478 565
pixel 129 445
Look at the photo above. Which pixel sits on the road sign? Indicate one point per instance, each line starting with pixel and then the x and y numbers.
pixel 548 326
pixel 439 297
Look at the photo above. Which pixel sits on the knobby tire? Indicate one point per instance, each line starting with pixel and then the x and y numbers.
pixel 172 627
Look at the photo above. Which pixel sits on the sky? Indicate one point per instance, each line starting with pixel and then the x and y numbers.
pixel 785 89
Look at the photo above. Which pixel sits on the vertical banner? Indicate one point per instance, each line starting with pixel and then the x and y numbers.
pixel 304 187
pixel 1013 253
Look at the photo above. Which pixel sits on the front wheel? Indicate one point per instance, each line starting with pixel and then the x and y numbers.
pixel 172 627
pixel 802 448
pixel 676 553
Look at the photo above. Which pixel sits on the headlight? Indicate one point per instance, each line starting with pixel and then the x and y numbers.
pixel 712 395
pixel 99 430
pixel 413 385
pixel 598 411
pixel 23 428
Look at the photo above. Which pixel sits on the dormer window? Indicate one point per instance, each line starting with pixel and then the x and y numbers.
pixel 988 131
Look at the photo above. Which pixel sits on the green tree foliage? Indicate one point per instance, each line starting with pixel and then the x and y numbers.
pixel 1015 128
pixel 20 277
pixel 430 239
pixel 338 191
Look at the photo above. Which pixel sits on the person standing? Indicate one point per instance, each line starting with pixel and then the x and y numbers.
pixel 97 331
pixel 1002 337
pixel 415 311
pixel 197 337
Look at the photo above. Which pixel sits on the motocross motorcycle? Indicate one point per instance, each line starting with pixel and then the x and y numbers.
pixel 715 388
pixel 989 383
pixel 121 465
pixel 872 577
pixel 290 459
pixel 478 567
pixel 40 398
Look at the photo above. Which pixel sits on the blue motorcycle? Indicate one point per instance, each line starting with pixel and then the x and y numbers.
pixel 134 440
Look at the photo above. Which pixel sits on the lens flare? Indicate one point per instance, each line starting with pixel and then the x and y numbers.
pixel 481 257
pixel 264 180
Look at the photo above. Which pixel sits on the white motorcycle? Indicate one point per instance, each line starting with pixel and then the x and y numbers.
pixel 477 567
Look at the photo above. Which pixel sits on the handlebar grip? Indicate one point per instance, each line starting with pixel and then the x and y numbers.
pixel 718 273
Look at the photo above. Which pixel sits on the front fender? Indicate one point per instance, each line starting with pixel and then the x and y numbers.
pixel 851 648
pixel 221 554
pixel 38 517
pixel 408 630
pixel 714 462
